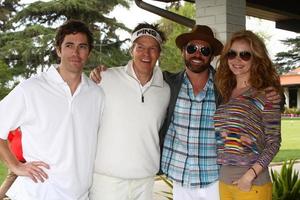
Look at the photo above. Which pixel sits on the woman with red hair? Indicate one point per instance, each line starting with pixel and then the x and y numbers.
pixel 247 124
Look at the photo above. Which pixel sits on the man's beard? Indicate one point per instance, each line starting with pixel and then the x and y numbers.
pixel 197 68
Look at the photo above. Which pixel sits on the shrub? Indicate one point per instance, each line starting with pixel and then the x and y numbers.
pixel 286 184
pixel 291 111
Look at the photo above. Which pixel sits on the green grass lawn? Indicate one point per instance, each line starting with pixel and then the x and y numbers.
pixel 290 145
pixel 3 172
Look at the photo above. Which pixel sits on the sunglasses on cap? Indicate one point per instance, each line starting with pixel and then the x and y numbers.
pixel 244 55
pixel 192 48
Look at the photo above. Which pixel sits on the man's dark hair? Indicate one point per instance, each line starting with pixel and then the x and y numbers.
pixel 152 26
pixel 73 26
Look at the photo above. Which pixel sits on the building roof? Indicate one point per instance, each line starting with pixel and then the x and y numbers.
pixel 285 15
pixel 291 78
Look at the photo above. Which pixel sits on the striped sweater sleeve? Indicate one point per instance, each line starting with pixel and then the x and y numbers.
pixel 272 133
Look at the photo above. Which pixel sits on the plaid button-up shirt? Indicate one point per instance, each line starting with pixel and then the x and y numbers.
pixel 189 152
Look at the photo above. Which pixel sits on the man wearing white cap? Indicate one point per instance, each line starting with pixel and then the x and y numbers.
pixel 137 98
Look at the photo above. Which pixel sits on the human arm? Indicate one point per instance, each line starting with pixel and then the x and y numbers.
pixel 12 114
pixel 95 74
pixel 31 169
pixel 269 144
pixel 271 119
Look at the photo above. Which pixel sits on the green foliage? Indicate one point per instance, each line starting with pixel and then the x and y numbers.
pixel 286 184
pixel 27 50
pixel 291 111
pixel 7 9
pixel 55 10
pixel 171 59
pixel 27 40
pixel 288 60
pixel 5 76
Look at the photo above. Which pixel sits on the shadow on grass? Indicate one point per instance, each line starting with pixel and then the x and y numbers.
pixel 287 154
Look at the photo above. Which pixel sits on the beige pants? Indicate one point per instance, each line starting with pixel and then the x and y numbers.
pixel 111 188
pixel 8 181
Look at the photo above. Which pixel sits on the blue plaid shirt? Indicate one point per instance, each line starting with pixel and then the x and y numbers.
pixel 189 152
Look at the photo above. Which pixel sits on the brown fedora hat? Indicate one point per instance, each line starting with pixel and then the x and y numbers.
pixel 200 32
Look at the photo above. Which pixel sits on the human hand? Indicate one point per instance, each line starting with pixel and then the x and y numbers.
pixel 33 170
pixel 245 182
pixel 273 95
pixel 95 74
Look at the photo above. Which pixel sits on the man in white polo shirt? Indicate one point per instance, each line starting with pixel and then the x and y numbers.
pixel 137 97
pixel 59 114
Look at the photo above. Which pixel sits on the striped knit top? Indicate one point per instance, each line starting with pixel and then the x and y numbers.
pixel 247 130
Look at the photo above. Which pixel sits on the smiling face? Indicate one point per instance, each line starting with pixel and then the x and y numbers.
pixel 197 61
pixel 73 52
pixel 240 67
pixel 145 53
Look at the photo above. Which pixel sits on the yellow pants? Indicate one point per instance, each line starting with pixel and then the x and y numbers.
pixel 231 192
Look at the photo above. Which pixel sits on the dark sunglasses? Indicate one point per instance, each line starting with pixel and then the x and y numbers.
pixel 192 48
pixel 244 55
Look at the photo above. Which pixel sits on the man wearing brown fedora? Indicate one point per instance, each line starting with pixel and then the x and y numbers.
pixel 189 149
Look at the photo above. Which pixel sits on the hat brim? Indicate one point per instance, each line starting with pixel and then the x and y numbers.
pixel 215 44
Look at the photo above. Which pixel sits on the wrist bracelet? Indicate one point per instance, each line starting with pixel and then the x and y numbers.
pixel 254 172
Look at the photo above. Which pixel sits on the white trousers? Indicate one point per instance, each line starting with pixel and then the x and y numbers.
pixel 111 188
pixel 211 192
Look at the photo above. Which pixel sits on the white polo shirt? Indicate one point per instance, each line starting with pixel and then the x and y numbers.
pixel 58 129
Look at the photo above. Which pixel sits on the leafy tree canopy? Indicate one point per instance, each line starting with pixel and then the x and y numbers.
pixel 7 9
pixel 290 59
pixel 5 77
pixel 27 39
pixel 171 59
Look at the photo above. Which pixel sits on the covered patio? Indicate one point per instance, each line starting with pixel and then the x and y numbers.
pixel 291 86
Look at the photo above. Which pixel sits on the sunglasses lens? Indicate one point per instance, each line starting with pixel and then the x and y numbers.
pixel 190 49
pixel 205 51
pixel 231 55
pixel 245 55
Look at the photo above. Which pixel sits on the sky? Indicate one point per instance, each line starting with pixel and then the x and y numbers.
pixel 131 17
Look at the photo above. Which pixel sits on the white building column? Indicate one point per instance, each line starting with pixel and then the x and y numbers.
pixel 223 16
pixel 287 96
pixel 298 98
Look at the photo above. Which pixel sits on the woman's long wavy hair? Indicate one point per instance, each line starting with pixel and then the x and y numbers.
pixel 262 71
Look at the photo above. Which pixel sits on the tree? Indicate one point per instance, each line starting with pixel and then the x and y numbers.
pixel 171 59
pixel 28 45
pixel 290 59
pixel 7 9
pixel 5 77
